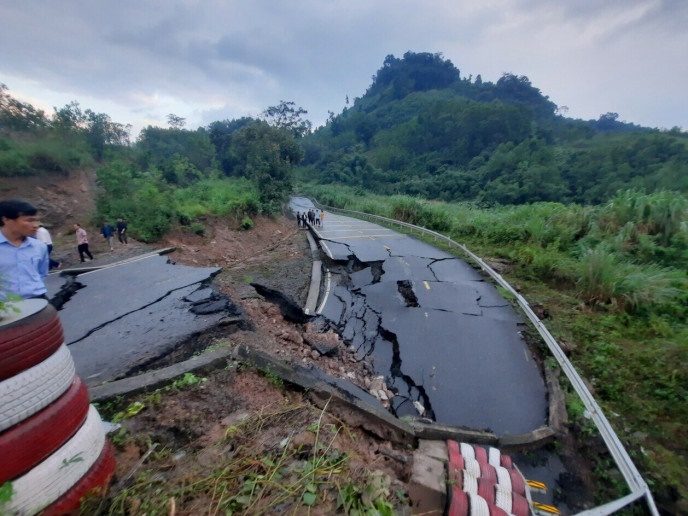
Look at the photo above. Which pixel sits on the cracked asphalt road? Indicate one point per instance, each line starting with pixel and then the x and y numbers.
pixel 448 344
pixel 166 304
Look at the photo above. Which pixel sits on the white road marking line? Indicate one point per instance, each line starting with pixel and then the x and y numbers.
pixel 367 236
pixel 328 283
pixel 328 252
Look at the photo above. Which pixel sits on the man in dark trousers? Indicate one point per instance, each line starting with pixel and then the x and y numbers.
pixel 23 258
pixel 121 231
pixel 43 235
pixel 108 233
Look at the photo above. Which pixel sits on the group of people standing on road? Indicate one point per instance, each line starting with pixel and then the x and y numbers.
pixel 26 246
pixel 310 217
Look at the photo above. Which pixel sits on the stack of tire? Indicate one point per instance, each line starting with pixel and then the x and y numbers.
pixel 53 449
pixel 484 482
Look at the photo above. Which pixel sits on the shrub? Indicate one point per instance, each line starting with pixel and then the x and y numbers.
pixel 246 224
pixel 437 219
pixel 43 161
pixel 662 214
pixel 649 285
pixel 189 212
pixel 7 303
pixel 571 223
pixel 198 228
pixel 598 276
pixel 545 264
pixel 228 197
pixel 667 215
pixel 14 163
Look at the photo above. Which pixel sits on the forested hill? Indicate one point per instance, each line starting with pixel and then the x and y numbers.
pixel 422 129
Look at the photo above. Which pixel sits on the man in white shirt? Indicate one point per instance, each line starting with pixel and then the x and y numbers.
pixel 43 235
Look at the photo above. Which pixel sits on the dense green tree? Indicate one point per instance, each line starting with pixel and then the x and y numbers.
pixel 160 148
pixel 364 129
pixel 69 119
pixel 422 129
pixel 180 171
pixel 141 197
pixel 511 88
pixel 101 131
pixel 607 121
pixel 266 155
pixel 220 134
pixel 419 129
pixel 97 129
pixel 415 72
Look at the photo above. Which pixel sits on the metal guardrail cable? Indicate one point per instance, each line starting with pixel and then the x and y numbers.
pixel 632 476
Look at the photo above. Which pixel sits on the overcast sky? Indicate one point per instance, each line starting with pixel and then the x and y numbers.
pixel 206 60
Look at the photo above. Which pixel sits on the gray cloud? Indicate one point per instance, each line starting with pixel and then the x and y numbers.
pixel 213 59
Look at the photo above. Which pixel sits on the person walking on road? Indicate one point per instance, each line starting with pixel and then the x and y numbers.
pixel 82 242
pixel 322 218
pixel 24 259
pixel 121 231
pixel 43 235
pixel 108 233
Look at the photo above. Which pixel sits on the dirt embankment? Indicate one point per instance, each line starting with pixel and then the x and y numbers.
pixel 64 200
pixel 244 427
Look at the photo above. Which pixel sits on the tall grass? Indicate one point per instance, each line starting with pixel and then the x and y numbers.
pixel 598 276
pixel 419 213
pixel 660 214
pixel 605 280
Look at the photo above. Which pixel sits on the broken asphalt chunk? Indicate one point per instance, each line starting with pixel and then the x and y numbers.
pixel 290 310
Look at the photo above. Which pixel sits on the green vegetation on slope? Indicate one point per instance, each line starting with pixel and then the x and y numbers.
pixel 170 177
pixel 422 129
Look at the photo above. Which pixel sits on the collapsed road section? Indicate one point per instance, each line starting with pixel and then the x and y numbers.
pixel 121 319
pixel 449 345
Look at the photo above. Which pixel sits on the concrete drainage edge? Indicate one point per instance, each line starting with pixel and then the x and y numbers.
pixel 354 405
